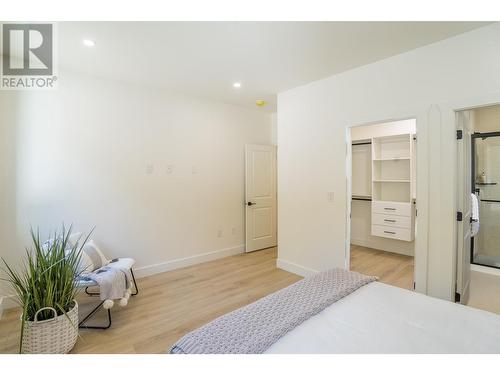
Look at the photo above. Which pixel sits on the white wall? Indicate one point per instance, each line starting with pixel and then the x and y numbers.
pixel 487 119
pixel 10 250
pixel 361 213
pixel 274 128
pixel 427 84
pixel 80 155
pixel 364 132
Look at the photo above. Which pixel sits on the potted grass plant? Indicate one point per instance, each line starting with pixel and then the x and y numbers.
pixel 45 287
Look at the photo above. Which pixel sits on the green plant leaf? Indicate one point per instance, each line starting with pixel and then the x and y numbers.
pixel 47 276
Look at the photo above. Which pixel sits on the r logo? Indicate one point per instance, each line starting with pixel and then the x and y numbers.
pixel 27 49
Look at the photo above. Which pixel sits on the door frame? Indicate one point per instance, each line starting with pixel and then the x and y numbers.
pixel 458 106
pixel 474 136
pixel 245 197
pixel 420 266
pixel 464 212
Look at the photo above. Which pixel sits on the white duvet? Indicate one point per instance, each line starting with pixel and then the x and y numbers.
pixel 379 318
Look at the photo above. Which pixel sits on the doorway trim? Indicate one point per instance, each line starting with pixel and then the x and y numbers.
pixel 455 107
pixel 473 183
pixel 420 252
pixel 268 202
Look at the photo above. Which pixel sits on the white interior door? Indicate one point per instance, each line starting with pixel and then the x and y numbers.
pixel 260 195
pixel 465 124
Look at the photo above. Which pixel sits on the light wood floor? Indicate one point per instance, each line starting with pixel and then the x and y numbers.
pixel 391 268
pixel 171 304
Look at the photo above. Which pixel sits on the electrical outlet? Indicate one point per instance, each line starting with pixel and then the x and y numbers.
pixel 194 169
pixel 219 233
pixel 149 169
pixel 169 169
pixel 233 231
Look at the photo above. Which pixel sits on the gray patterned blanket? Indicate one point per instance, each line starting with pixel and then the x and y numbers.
pixel 254 328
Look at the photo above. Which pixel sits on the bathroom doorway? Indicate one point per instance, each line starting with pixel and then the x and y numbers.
pixel 478 205
pixel 485 166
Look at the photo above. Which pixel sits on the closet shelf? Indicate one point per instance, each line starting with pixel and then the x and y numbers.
pixel 391 159
pixel 391 208
pixel 361 197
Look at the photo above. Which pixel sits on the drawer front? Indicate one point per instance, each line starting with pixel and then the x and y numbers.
pixel 392 208
pixel 395 233
pixel 392 220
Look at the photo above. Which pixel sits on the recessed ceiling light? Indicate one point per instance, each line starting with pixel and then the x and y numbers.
pixel 88 43
pixel 237 85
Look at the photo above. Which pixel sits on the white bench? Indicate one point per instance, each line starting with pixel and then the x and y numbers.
pixel 91 288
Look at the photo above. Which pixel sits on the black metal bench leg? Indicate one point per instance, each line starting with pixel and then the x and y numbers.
pixel 82 325
pixel 90 293
pixel 135 283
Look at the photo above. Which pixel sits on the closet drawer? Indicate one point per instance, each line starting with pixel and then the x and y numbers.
pixel 391 208
pixel 403 234
pixel 391 220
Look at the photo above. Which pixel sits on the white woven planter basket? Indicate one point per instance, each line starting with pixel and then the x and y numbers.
pixel 52 336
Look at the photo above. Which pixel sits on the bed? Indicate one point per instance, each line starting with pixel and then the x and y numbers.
pixel 369 317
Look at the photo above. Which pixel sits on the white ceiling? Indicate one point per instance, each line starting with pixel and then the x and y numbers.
pixel 205 58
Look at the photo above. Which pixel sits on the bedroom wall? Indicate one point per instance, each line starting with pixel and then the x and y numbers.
pixel 160 176
pixel 10 250
pixel 427 84
pixel 274 128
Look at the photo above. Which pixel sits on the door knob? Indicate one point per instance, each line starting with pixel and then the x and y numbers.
pixel 251 203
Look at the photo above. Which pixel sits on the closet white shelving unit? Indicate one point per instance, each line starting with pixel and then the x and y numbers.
pixel 393 211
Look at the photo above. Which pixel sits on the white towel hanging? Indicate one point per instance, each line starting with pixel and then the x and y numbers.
pixel 474 214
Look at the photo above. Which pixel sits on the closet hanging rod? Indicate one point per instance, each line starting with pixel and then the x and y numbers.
pixel 361 199
pixel 362 143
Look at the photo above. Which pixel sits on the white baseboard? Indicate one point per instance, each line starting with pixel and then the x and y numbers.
pixel 371 245
pixel 294 268
pixel 484 269
pixel 189 261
